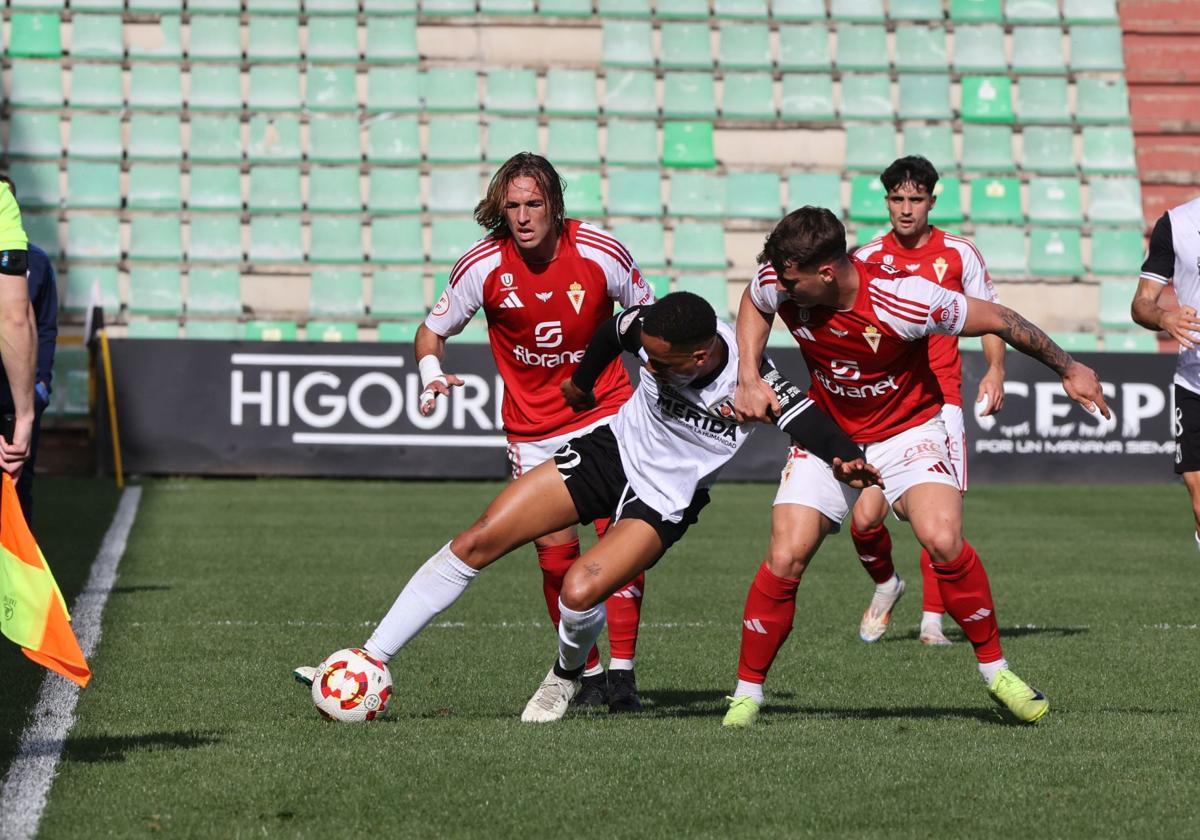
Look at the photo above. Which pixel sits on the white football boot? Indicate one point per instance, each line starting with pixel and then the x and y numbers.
pixel 549 703
pixel 878 614
pixel 305 674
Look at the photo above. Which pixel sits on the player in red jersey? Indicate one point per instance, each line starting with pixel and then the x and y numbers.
pixel 922 250
pixel 546 283
pixel 863 330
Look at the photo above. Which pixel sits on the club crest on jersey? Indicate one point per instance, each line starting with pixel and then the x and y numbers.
pixel 725 409
pixel 543 296
pixel 887 259
pixel 871 334
pixel 939 268
pixel 575 294
pixel 507 280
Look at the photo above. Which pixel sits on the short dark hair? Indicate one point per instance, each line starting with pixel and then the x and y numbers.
pixel 489 212
pixel 11 186
pixel 913 169
pixel 803 238
pixel 681 318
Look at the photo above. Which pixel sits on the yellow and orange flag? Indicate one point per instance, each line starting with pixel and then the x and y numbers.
pixel 32 610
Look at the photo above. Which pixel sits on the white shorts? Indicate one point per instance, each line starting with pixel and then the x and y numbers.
pixel 956 439
pixel 524 455
pixel 916 456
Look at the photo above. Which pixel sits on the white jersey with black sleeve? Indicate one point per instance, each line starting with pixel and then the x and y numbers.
pixel 1174 257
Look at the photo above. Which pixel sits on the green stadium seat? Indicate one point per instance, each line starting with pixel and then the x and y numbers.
pixel 454 140
pixel 80 282
pixel 274 88
pixel 1055 252
pixel 570 93
pixel 447 8
pixel 740 9
pixel 215 188
pixel 804 49
pixel 868 199
pixel 744 46
pixel 996 201
pixel 685 46
pixel 334 140
pixel 393 89
pixel 807 97
pixel 274 140
pixel 631 143
pixel 798 10
pixel 217 139
pixel 214 239
pixel 397 294
pixel 95 136
pixel 975 11
pixel 630 93
pixel 1115 299
pixel 1096 48
pixel 925 96
pixel 752 195
pixel 42 229
pixel 334 189
pixel 152 329
pixel 36 84
pixel 453 190
pixel 273 38
pixel 1133 341
pixel 96 86
pixel 1114 201
pixel 37 184
pixel 681 9
pixel 1090 11
pixel 573 142
pixel 93 185
pixel 815 189
pixel 748 96
pixel 335 239
pixel 699 245
pixel 987 99
pixel 1003 249
pixel 870 146
pixel 391 191
pixel 645 241
pixel 220 7
pixel 506 7
pixel 948 209
pixel 714 288
pixel 933 142
pixel 449 91
pixel 634 192
pixel 988 148
pixel 276 239
pixel 37 5
pixel 336 294
pixel 862 48
pixel 689 96
pixel 34 134
pixel 688 144
pixel 1043 100
pixel 155 292
pixel 582 194
pixel 1031 11
pixel 1037 49
pixel 394 141
pixel 627 43
pixel 35 35
pixel 331 89
pixel 214 330
pixel 214 291
pixel 920 49
pixel 660 284
pixel 402 331
pixel 1117 251
pixel 865 96
pixel 1101 101
pixel 1048 151
pixel 565 8
pixel 1076 342
pixel 214 38
pixel 271 330
pixel 391 40
pixel 1108 151
pixel 331 331
pixel 273 7
pixel 156 87
pixel 451 238
pixel 507 137
pixel 155 137
pixel 1055 201
pixel 94 238
pixel 921 10
pixel 215 87
pixel 156 238
pixel 860 11
pixel 332 40
pixel 511 92
pixel 699 194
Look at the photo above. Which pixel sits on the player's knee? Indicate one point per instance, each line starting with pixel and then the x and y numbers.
pixel 787 559
pixel 867 518
pixel 473 547
pixel 580 592
pixel 943 544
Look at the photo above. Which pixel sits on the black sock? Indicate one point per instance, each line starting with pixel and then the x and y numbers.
pixel 563 673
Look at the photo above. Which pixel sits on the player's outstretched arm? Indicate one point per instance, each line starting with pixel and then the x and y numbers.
pixel 753 401
pixel 621 332
pixel 430 348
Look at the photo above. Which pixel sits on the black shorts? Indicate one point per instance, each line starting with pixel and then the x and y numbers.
pixel 1187 430
pixel 591 467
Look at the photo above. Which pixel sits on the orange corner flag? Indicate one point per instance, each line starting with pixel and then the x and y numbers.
pixel 34 614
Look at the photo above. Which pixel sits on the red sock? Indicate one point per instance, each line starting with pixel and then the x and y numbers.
pixel 874 549
pixel 601 526
pixel 931 594
pixel 766 623
pixel 555 561
pixel 968 600
pixel 624 614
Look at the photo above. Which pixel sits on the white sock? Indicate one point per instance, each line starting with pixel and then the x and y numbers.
pixel 888 586
pixel 989 670
pixel 577 633
pixel 749 689
pixel 620 664
pixel 595 670
pixel 931 619
pixel 1198 541
pixel 433 588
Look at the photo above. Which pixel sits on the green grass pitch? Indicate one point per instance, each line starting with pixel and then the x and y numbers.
pixel 194 728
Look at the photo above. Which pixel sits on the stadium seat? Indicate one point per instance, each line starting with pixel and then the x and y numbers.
pixel 80 281
pixel 976 11
pixel 996 201
pixel 987 148
pixel 335 239
pixel 155 292
pixel 752 195
pixel 447 8
pixel 740 9
pixel 1096 48
pixel 506 7
pixel 1090 11
pixel 1115 299
pixel 1048 151
pixel 645 241
pixel 1076 342
pixel 570 93
pixel 573 142
pixel 659 283
pixel 274 88
pixel 917 10
pixel 1055 252
pixel 37 184
pixel 155 137
pixel 157 87
pixel 511 92
pixel 1043 99
pixel 34 134
pixel 42 230
pixel 391 40
pixel 331 331
pixel 870 146
pixel 215 239
pixel 34 35
pixel 157 238
pixel 687 144
pixel 216 188
pixel 867 199
pixel 394 141
pixel 138 329
pixel 336 294
pixel 36 84
pixel 1117 251
pixel 634 192
pixel 214 291
pixel 582 194
pixel 217 139
pixel 1114 201
pixel 276 239
pixel 689 96
pixel 630 93
pixel 1037 49
pixel 95 136
pixel 271 330
pixel 987 99
pixel 215 87
pixel 334 140
pixel 214 330
pixel 274 140
pixel 631 143
pixel 397 294
pixel 698 245
pixel 948 209
pixel 744 46
pixel 565 8
pixel 94 238
pixel 934 142
pixel 627 43
pixel 93 185
pixel 1108 151
pixel 273 38
pixel 273 7
pixel 807 97
pixel 864 96
pixel 449 91
pixel 1003 249
pixel 451 238
pixel 699 194
pixel 506 137
pixel 392 89
pixel 331 89
pixel 804 49
pixel 864 11
pixel 924 96
pixel 1055 201
pixel 453 140
pixel 681 9
pixel 96 86
pixel 1031 11
pixel 712 287
pixel 685 46
pixel 214 38
pixel 1130 341
pixel 391 191
pixel 1101 101
pixel 165 45
pixel 920 49
pixel 332 40
pixel 798 10
pixel 406 331
pixel 816 189
pixel 862 48
pixel 334 189
pixel 453 190
pixel 748 96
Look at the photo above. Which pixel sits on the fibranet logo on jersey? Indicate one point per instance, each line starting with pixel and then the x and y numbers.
pixel 858 392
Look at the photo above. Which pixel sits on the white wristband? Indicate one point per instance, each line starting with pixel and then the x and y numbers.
pixel 431 369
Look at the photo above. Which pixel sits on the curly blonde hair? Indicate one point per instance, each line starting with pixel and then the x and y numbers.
pixel 489 212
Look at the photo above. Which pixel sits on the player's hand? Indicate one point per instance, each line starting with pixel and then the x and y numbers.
pixel 754 401
pixel 13 454
pixel 576 397
pixel 857 473
pixel 1183 325
pixel 1082 385
pixel 439 385
pixel 991 392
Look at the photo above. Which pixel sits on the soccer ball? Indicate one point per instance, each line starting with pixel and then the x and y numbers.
pixel 351 686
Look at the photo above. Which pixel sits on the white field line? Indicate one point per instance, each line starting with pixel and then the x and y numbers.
pixel 27 785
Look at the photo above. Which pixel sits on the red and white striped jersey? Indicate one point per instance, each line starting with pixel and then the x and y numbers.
pixel 870 364
pixel 952 262
pixel 540 320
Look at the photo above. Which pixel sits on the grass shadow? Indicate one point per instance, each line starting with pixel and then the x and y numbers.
pixel 130 590
pixel 1005 633
pixel 95 749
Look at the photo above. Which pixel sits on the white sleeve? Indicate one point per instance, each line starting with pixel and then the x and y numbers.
pixel 914 307
pixel 765 292
pixel 459 302
pixel 623 279
pixel 977 283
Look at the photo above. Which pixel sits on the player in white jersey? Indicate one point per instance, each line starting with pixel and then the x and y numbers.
pixel 649 471
pixel 1174 258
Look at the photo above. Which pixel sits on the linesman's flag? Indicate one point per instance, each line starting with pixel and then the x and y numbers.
pixel 32 610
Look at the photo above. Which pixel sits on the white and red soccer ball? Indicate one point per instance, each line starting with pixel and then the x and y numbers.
pixel 351 686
